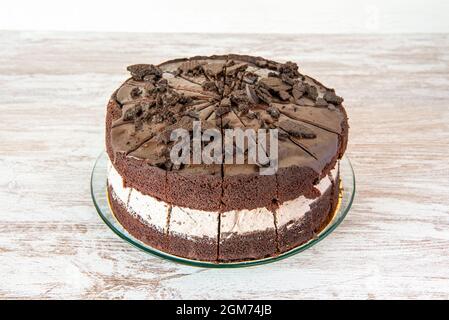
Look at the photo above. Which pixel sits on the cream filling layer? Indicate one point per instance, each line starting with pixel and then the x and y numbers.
pixel 191 223
pixel 150 210
pixel 293 210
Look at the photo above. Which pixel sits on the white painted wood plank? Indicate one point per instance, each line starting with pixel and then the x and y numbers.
pixel 393 244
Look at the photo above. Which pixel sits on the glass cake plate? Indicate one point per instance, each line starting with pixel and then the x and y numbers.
pixel 100 198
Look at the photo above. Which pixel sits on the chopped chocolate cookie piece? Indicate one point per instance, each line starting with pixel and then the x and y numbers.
pixel 233 70
pixel 135 92
pixel 284 95
pixel 243 107
pixel 157 118
pixel 296 129
pixel 220 86
pixel 171 98
pixel 210 86
pixel 320 102
pixel 250 77
pixel 298 90
pixel 240 99
pixel 331 97
pixel 162 85
pixel 274 84
pixel 132 113
pixel 147 72
pixel 251 94
pixel 263 94
pixel 146 107
pixel 159 100
pixel 185 99
pixel 290 69
pixel 273 111
pixel 311 91
pixel 149 87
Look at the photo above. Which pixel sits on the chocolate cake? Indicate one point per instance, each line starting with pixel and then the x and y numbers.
pixel 223 212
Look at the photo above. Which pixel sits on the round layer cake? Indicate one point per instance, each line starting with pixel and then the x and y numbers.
pixel 224 212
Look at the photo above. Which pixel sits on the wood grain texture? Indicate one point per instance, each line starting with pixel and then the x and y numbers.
pixel 394 242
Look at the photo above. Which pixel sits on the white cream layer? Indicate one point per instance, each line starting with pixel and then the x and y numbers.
pixel 291 211
pixel 150 210
pixel 191 223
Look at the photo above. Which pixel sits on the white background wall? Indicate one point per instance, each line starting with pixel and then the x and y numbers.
pixel 250 16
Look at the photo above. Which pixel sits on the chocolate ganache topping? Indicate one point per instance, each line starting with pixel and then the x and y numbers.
pixel 225 92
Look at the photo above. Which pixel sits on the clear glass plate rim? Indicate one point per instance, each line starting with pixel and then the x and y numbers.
pixel 335 222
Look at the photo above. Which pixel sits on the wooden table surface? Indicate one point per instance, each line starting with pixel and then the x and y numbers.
pixel 394 242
